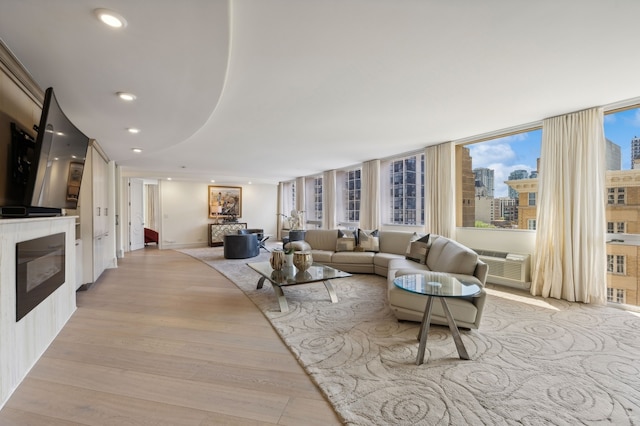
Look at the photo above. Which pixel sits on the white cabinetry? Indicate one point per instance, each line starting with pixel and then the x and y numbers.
pixel 97 223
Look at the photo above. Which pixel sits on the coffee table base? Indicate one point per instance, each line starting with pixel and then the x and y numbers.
pixel 424 330
pixel 282 301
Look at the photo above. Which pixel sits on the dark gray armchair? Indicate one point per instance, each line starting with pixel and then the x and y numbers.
pixel 259 233
pixel 241 246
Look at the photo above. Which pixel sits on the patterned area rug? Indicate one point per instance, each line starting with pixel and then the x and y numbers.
pixel 534 361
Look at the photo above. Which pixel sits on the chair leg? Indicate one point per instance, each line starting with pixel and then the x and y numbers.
pixel 262 244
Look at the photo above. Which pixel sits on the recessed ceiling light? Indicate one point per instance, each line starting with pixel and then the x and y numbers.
pixel 213 181
pixel 250 182
pixel 136 150
pixel 133 130
pixel 111 18
pixel 125 96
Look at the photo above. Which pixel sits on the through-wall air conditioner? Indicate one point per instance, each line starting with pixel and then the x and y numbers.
pixel 510 269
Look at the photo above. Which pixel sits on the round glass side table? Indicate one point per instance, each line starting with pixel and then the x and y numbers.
pixel 442 286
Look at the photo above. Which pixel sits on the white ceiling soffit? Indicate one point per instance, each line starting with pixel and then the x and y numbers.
pixel 318 85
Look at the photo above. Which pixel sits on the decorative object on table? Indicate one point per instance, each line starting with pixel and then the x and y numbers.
pixel 277 259
pixel 295 221
pixel 225 202
pixel 302 260
pixel 288 254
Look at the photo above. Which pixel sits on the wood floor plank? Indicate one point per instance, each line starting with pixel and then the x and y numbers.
pixel 165 339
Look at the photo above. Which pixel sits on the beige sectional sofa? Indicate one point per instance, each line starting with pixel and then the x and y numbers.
pixel 445 255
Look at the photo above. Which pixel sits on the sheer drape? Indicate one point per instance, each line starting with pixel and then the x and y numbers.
pixel 301 198
pixel 329 199
pixel 570 260
pixel 152 207
pixel 281 209
pixel 370 195
pixel 440 207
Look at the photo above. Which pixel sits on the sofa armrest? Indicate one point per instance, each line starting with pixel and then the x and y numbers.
pixel 482 269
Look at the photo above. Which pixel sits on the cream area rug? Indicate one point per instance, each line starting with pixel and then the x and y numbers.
pixel 534 361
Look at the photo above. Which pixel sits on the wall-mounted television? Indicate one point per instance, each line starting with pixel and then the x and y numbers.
pixel 45 173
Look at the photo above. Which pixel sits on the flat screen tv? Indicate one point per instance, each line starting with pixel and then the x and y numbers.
pixel 45 173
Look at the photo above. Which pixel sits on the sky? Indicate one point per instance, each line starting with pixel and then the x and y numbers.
pixel 520 152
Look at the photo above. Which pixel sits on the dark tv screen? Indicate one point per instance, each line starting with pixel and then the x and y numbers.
pixel 60 153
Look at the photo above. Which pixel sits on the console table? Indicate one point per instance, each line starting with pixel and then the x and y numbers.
pixel 218 231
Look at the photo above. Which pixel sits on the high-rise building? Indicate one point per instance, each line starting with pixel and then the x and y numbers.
pixel 464 161
pixel 635 151
pixel 515 175
pixel 485 177
pixel 614 156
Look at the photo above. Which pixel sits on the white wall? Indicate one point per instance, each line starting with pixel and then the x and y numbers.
pixel 184 212
pixel 514 241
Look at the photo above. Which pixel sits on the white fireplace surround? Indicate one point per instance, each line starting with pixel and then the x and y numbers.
pixel 22 343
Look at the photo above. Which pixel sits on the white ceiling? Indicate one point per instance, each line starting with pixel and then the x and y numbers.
pixel 268 90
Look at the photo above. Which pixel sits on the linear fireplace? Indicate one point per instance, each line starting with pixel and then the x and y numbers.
pixel 40 270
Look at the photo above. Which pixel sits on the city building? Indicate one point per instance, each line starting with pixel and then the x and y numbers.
pixel 614 156
pixel 635 152
pixel 485 177
pixel 514 175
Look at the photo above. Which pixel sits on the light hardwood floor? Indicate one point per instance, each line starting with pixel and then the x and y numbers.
pixel 166 340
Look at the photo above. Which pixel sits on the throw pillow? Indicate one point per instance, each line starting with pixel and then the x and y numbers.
pixel 419 250
pixel 369 240
pixel 346 241
pixel 414 237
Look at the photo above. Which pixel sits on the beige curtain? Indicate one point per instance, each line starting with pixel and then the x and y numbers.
pixel 440 207
pixel 301 199
pixel 281 210
pixel 329 199
pixel 370 195
pixel 570 261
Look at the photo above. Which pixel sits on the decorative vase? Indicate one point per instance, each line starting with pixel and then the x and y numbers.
pixel 277 259
pixel 288 259
pixel 302 260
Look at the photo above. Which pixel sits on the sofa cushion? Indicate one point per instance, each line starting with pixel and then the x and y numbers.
pixel 395 242
pixel 356 257
pixel 368 240
pixel 419 249
pixel 322 256
pixel 346 240
pixel 383 259
pixel 322 239
pixel 446 255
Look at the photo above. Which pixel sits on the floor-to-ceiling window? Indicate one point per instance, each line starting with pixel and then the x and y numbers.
pixel 622 132
pixel 488 171
pixel 348 203
pixel 402 190
pixel 313 209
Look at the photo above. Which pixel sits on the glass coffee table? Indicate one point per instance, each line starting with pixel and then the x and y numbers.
pixel 289 276
pixel 442 286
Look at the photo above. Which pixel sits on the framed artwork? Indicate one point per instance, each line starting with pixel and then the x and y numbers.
pixel 73 180
pixel 225 202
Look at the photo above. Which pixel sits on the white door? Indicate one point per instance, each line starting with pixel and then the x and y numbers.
pixel 136 215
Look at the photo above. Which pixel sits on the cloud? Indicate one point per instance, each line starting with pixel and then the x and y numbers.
pixel 610 119
pixel 636 118
pixel 484 154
